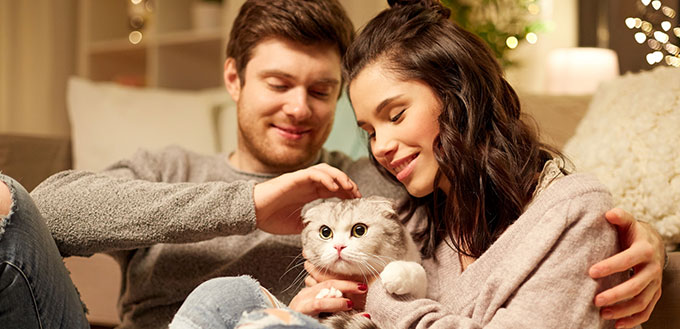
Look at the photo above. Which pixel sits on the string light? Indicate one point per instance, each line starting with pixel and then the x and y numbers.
pixel 512 42
pixel 653 25
pixel 532 38
pixel 135 37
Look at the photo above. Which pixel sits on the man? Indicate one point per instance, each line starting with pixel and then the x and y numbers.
pixel 174 219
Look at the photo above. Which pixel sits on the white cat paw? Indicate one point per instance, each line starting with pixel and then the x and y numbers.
pixel 329 293
pixel 402 277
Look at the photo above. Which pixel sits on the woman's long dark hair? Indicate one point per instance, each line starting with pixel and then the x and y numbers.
pixel 491 158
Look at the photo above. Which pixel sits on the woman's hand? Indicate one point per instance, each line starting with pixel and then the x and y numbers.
pixel 646 255
pixel 278 201
pixel 306 300
pixel 316 276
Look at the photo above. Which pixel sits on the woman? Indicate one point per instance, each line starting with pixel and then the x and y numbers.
pixel 510 234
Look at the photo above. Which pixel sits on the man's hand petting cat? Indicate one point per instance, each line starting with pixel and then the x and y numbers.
pixel 632 301
pixel 278 201
pixel 309 300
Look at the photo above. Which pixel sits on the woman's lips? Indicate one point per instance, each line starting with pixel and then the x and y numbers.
pixel 403 168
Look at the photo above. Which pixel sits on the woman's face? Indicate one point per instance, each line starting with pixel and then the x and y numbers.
pixel 400 118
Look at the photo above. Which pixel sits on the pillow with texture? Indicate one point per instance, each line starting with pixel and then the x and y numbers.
pixel 629 138
pixel 110 122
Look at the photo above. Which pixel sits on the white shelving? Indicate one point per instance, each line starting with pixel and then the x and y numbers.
pixel 171 54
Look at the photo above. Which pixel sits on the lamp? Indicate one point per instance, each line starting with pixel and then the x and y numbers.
pixel 578 71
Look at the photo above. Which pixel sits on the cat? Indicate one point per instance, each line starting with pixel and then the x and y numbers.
pixel 362 237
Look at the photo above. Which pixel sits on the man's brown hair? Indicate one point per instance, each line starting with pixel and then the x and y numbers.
pixel 308 22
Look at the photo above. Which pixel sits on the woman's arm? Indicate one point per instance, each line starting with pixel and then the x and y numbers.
pixel 645 254
pixel 555 292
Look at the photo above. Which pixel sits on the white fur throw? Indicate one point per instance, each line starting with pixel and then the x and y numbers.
pixel 630 138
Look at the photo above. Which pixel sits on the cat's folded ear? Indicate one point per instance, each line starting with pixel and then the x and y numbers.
pixel 317 209
pixel 384 204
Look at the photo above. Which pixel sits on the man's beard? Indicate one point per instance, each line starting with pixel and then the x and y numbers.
pixel 277 157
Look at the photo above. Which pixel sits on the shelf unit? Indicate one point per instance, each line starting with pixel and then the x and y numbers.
pixel 172 53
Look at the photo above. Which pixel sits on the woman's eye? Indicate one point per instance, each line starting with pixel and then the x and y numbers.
pixel 358 230
pixel 396 117
pixel 278 87
pixel 325 232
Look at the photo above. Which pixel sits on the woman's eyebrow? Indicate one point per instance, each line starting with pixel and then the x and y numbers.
pixel 381 106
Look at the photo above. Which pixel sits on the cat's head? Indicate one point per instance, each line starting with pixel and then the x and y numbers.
pixel 353 237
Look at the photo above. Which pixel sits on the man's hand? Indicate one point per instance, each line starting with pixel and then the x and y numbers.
pixel 637 296
pixel 279 201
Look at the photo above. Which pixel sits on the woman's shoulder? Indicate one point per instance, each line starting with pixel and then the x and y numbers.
pixel 575 199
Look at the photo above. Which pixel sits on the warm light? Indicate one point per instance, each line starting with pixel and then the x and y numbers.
pixel 672 49
pixel 676 31
pixel 666 25
pixel 630 22
pixel 532 37
pixel 656 4
pixel 647 27
pixel 668 11
pixel 579 70
pixel 656 45
pixel 135 37
pixel 534 9
pixel 640 37
pixel 673 61
pixel 512 42
pixel 136 2
pixel 638 23
pixel 655 57
pixel 661 37
pixel 646 2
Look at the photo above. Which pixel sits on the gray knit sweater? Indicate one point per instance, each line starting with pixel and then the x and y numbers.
pixel 174 219
pixel 534 276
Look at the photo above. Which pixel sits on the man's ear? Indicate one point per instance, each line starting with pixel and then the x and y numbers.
pixel 231 79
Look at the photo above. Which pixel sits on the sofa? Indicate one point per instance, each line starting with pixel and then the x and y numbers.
pixel 30 159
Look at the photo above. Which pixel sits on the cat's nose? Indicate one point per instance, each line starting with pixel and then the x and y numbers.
pixel 339 247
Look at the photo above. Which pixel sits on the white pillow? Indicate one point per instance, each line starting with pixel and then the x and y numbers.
pixel 629 138
pixel 110 122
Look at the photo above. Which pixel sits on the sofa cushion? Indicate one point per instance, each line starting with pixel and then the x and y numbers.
pixel 109 122
pixel 629 138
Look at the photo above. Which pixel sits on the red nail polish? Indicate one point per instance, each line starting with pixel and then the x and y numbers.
pixel 350 304
pixel 363 286
pixel 366 315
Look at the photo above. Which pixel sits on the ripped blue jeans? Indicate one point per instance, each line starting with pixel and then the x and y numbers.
pixel 237 302
pixel 36 290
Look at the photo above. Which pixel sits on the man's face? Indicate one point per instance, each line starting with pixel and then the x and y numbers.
pixel 285 106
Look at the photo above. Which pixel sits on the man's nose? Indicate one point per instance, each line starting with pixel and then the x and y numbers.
pixel 297 106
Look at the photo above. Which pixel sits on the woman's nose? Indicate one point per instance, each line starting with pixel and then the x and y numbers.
pixel 383 146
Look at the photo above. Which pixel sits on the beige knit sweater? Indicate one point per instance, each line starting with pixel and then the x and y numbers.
pixel 534 276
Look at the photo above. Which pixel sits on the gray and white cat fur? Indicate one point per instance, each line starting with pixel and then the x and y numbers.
pixel 366 239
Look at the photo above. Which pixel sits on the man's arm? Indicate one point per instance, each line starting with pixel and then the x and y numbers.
pixel 140 202
pixel 632 301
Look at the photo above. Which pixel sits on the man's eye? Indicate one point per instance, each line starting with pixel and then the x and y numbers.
pixel 319 94
pixel 396 117
pixel 277 87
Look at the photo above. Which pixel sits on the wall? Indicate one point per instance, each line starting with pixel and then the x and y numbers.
pixel 37 54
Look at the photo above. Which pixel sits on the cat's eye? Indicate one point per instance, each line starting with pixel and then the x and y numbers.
pixel 358 230
pixel 325 232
